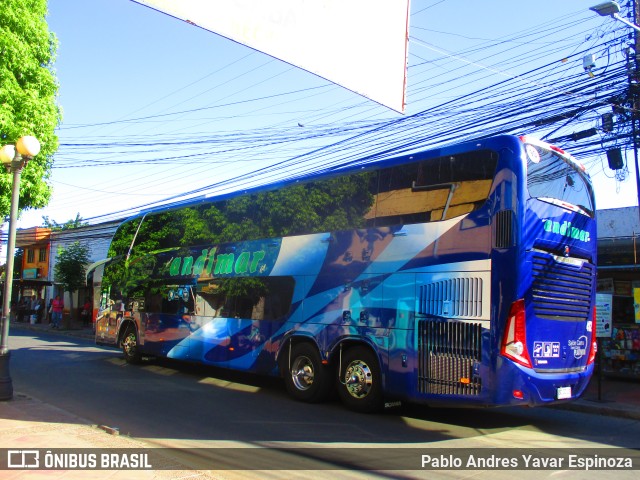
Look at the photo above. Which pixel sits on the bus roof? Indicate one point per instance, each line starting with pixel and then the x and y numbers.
pixel 361 165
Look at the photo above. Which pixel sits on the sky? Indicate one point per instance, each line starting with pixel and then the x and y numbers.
pixel 156 108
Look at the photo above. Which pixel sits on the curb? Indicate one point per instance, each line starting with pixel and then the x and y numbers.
pixel 71 332
pixel 603 408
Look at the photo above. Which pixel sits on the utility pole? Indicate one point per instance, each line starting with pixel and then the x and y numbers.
pixel 633 84
pixel 634 15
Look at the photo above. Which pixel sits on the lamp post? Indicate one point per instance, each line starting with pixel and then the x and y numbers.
pixel 14 158
pixel 611 9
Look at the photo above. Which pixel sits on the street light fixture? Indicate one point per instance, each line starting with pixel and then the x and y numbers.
pixel 611 9
pixel 14 158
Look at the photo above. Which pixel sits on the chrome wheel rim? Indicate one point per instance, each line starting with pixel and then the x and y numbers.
pixel 302 373
pixel 129 344
pixel 358 379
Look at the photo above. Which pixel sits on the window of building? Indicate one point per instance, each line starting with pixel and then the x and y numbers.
pixel 31 255
pixel 42 255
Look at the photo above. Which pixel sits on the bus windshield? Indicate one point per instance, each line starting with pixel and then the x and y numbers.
pixel 556 179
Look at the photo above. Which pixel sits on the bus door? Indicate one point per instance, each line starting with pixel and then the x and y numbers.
pixel 109 320
pixel 107 325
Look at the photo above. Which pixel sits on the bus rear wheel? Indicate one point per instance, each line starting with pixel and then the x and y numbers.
pixel 305 377
pixel 360 381
pixel 130 346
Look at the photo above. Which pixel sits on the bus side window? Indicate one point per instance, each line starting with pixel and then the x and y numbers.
pixel 433 190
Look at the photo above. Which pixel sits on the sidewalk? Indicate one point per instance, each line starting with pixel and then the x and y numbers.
pixel 28 423
pixel 613 397
pixel 75 329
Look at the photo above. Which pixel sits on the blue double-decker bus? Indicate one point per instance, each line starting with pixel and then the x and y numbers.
pixel 463 275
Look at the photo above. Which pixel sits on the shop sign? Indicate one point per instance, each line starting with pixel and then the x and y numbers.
pixel 623 287
pixel 604 309
pixel 30 273
pixel 636 304
pixel 604 285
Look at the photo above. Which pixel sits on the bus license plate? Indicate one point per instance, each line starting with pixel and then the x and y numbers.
pixel 564 393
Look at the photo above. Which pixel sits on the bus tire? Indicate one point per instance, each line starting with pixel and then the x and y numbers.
pixel 360 381
pixel 130 346
pixel 306 378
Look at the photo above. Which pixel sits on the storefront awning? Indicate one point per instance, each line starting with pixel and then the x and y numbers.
pixel 619 267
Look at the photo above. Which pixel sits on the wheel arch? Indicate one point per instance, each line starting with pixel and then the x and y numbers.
pixel 346 343
pixel 283 355
pixel 332 355
pixel 127 323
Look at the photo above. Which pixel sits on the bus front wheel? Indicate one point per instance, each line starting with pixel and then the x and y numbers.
pixel 360 381
pixel 305 377
pixel 130 346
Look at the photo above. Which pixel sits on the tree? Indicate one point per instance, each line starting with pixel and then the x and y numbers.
pixel 68 225
pixel 70 269
pixel 28 90
pixel 17 266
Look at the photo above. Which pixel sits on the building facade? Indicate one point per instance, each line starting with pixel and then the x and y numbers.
pixel 619 287
pixel 41 247
pixel 30 289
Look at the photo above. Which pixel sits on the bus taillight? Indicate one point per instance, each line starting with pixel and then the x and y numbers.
pixel 514 343
pixel 594 340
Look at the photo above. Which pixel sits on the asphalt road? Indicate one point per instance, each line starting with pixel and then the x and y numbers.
pixel 189 407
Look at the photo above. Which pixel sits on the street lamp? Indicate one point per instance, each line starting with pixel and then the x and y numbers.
pixel 14 158
pixel 611 9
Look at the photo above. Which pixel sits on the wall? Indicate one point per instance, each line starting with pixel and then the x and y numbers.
pixel 618 222
pixel 96 237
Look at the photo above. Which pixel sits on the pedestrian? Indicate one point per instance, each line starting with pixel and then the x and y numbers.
pixel 86 312
pixel 13 315
pixel 57 306
pixel 23 309
pixel 38 308
pixel 50 311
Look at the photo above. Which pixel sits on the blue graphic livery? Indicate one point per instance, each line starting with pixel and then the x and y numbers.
pixel 459 276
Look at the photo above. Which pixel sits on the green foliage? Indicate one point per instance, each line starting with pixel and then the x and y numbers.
pixel 70 266
pixel 18 256
pixel 28 90
pixel 17 265
pixel 68 225
pixel 251 288
pixel 322 206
